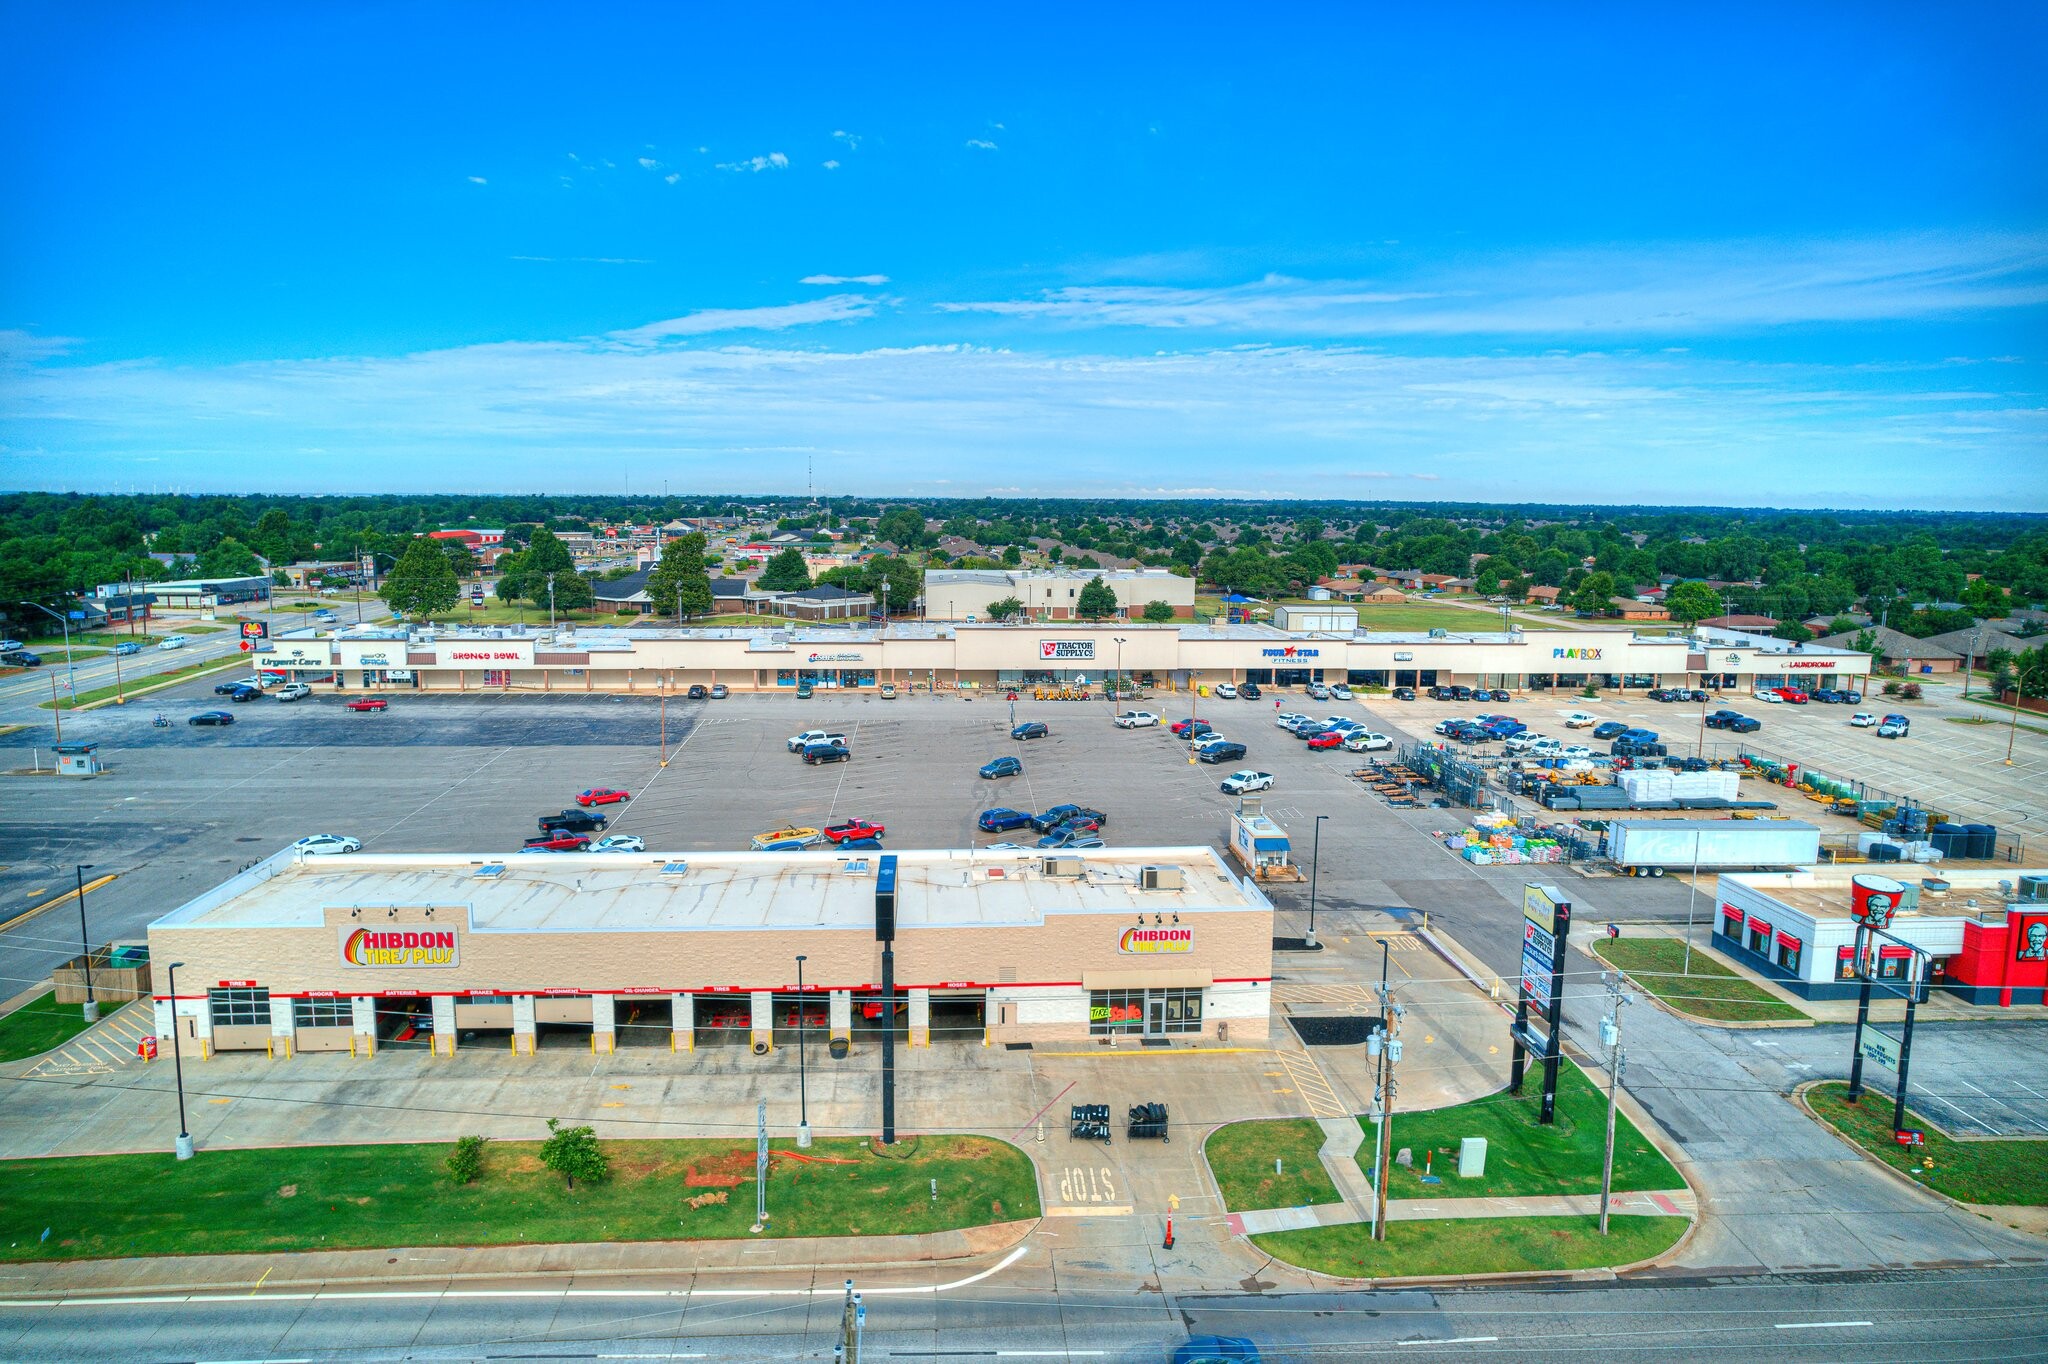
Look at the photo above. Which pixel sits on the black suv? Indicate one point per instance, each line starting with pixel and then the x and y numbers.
pixel 1404 693
pixel 1609 729
pixel 826 753
pixel 1060 814
pixel 699 692
pixel 576 821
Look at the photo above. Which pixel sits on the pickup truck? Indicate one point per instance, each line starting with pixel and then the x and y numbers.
pixel 1137 719
pixel 799 742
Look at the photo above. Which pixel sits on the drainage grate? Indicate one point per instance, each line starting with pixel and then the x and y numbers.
pixel 1333 1030
pixel 1016 1046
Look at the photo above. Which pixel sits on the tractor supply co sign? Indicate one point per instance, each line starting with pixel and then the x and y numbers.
pixel 1147 941
pixel 405 947
pixel 1066 650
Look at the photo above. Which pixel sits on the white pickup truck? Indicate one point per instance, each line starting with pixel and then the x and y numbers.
pixel 1136 719
pixel 798 742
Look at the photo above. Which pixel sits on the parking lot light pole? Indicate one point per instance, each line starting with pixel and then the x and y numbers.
pixel 1118 685
pixel 1692 895
pixel 1315 859
pixel 803 1094
pixel 92 1006
pixel 178 1067
pixel 70 664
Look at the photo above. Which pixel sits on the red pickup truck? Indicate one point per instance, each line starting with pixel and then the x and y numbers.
pixel 854 828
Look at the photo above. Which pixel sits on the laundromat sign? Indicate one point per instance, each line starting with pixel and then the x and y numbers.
pixel 402 947
pixel 1147 941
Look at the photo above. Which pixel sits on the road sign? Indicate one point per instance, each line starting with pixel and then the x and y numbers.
pixel 1879 1047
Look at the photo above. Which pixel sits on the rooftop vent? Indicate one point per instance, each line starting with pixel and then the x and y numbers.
pixel 675 868
pixel 1064 866
pixel 1162 878
pixel 491 869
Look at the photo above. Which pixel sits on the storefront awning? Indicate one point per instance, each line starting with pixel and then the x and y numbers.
pixel 1183 977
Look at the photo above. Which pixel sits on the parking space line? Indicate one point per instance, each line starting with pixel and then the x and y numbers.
pixel 2023 1116
pixel 1312 1085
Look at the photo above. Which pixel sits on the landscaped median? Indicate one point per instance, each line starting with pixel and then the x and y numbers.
pixel 145 682
pixel 1711 992
pixel 1525 1159
pixel 1996 1171
pixel 38 1026
pixel 305 1198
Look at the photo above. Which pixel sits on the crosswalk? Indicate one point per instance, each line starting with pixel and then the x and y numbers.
pixel 1311 1084
pixel 103 1048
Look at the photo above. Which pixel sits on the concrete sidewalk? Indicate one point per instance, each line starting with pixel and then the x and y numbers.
pixel 797 1258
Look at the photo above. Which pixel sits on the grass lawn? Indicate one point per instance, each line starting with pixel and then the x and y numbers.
pixel 39 1025
pixel 142 682
pixel 339 1197
pixel 1523 1157
pixel 1712 991
pixel 1241 1157
pixel 1997 1171
pixel 1474 1245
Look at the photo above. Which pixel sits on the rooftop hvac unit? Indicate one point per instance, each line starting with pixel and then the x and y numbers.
pixel 2034 889
pixel 1162 878
pixel 1064 866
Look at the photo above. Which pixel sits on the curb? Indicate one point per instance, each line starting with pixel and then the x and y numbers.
pixel 1533 1276
pixel 1730 1025
pixel 143 689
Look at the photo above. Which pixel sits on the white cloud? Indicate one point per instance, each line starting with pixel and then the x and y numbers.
pixel 478 180
pixel 757 164
pixel 22 347
pixel 844 279
pixel 831 165
pixel 673 177
pixel 735 417
pixel 1649 291
pixel 981 144
pixel 649 163
pixel 852 140
pixel 836 308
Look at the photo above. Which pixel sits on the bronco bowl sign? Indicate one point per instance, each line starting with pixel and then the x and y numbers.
pixel 1149 940
pixel 399 947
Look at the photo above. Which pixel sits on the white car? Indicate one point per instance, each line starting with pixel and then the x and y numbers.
pixel 1210 740
pixel 323 845
pixel 1579 719
pixel 1340 692
pixel 1008 848
pixel 1863 719
pixel 1520 743
pixel 620 843
pixel 1769 698
pixel 1545 748
pixel 1361 741
pixel 1137 719
pixel 1287 718
pixel 172 642
pixel 1575 753
pixel 1342 723
pixel 1239 783
pixel 1225 690
pixel 294 691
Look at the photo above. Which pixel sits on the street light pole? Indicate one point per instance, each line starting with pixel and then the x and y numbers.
pixel 92 1006
pixel 1692 895
pixel 1315 861
pixel 551 603
pixel 70 664
pixel 1117 686
pixel 178 1066
pixel 803 1094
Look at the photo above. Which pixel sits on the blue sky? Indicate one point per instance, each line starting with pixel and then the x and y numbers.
pixel 1510 252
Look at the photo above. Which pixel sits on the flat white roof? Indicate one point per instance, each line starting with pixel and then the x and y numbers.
pixel 723 891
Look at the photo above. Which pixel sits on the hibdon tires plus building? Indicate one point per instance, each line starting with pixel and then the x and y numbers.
pixel 1318 647
pixel 447 952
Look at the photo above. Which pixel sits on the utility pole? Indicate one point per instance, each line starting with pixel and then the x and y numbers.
pixel 551 603
pixel 92 1006
pixel 847 1351
pixel 1610 1033
pixel 1691 896
pixel 1315 861
pixel 1388 1052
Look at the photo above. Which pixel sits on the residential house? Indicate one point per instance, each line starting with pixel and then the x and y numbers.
pixel 1756 625
pixel 1896 649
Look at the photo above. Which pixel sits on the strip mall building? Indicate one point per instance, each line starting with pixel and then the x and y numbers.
pixel 969 656
pixel 442 952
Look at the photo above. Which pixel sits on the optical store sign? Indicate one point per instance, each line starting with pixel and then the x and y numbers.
pixel 400 947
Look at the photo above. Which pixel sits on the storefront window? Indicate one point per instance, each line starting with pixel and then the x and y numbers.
pixel 1788 954
pixel 1731 924
pixel 1366 677
pixel 1759 936
pixel 323 1013
pixel 232 1008
pixel 1845 963
pixel 1146 1013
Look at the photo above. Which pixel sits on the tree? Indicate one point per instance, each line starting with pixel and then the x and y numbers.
pixel 422 582
pixel 1865 643
pixel 1792 630
pixel 679 586
pixel 903 527
pixel 1158 611
pixel 1097 600
pixel 280 578
pixel 1595 595
pixel 573 1151
pixel 1691 603
pixel 547 557
pixel 786 572
pixel 1005 608
pixel 460 557
pixel 229 559
pixel 1012 556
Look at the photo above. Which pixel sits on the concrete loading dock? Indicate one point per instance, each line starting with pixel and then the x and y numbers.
pixel 596 952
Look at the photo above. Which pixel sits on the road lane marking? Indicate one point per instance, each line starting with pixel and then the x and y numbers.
pixel 1815 1325
pixel 1452 1340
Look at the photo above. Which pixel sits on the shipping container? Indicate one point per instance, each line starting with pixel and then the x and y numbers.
pixel 1720 844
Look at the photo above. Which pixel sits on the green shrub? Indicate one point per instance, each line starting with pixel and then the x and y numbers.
pixel 466 1161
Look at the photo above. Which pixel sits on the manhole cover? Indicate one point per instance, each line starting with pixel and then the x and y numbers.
pixel 1333 1030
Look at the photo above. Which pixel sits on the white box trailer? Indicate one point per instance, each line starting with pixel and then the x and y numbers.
pixel 1720 844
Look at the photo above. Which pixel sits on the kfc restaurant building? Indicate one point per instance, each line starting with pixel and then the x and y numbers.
pixel 1798 928
pixel 443 953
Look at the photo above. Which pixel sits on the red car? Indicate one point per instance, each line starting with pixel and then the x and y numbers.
pixel 1181 726
pixel 1793 694
pixel 561 840
pixel 369 703
pixel 854 828
pixel 1329 738
pixel 601 795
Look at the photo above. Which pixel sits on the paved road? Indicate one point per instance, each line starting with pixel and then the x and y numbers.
pixel 1977 1316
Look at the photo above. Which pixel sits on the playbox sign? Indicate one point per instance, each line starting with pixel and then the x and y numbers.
pixel 406 947
pixel 1067 650
pixel 1146 941
pixel 1584 655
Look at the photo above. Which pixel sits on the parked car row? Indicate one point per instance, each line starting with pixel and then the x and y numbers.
pixel 1062 826
pixel 821 746
pixel 1675 694
pixel 1455 693
pixel 717 691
